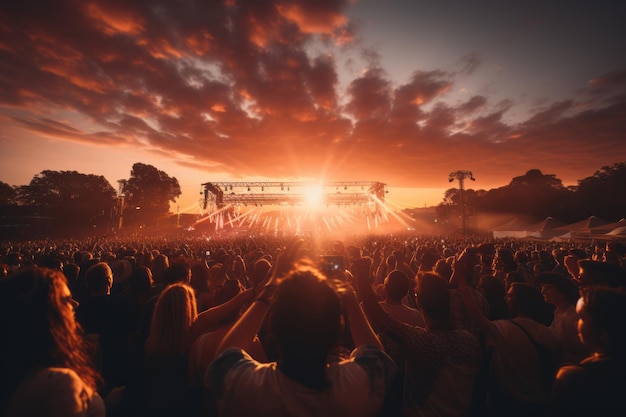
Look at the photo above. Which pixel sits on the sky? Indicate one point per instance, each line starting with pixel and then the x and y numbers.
pixel 400 92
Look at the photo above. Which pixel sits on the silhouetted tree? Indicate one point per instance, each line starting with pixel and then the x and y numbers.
pixel 533 194
pixel 74 201
pixel 604 193
pixel 148 193
pixel 7 194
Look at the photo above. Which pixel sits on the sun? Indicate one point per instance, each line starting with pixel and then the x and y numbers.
pixel 313 195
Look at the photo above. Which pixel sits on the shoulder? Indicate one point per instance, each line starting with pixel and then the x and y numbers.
pixel 58 389
pixel 373 360
pixel 376 364
pixel 571 382
pixel 227 361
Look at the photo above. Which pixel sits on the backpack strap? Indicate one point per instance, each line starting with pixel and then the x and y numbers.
pixel 534 342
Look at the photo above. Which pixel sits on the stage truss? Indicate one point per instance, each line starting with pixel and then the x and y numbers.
pixel 338 193
pixel 287 207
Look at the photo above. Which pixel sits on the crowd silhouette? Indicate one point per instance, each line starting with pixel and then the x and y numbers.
pixel 260 326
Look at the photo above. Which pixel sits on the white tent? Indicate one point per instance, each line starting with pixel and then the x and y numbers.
pixel 544 229
pixel 581 229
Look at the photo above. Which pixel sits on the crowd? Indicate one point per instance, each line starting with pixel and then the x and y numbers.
pixel 393 325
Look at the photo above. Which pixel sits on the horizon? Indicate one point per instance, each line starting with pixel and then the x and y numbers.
pixel 402 92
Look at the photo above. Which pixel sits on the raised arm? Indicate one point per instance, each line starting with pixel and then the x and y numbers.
pixel 211 317
pixel 246 328
pixel 462 269
pixel 381 320
pixel 362 331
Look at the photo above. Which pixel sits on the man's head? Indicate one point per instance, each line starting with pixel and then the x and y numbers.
pixel 434 299
pixel 396 285
pixel 99 279
pixel 557 289
pixel 601 274
pixel 602 320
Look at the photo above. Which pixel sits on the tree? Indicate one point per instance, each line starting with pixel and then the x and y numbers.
pixel 73 200
pixel 7 194
pixel 533 194
pixel 603 194
pixel 148 193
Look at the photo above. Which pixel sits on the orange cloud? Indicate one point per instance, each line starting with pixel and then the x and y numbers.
pixel 114 21
pixel 243 90
pixel 310 19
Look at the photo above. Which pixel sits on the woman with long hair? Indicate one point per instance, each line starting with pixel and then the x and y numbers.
pixel 45 368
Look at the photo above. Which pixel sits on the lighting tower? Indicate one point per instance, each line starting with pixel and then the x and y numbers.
pixel 461 176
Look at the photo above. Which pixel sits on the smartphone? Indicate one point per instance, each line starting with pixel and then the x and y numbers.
pixel 330 264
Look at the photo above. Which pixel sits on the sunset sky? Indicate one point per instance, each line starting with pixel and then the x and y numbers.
pixel 401 92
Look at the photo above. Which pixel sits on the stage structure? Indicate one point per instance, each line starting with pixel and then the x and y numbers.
pixel 337 193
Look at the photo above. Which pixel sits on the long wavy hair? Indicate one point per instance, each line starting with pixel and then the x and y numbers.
pixel 174 313
pixel 39 329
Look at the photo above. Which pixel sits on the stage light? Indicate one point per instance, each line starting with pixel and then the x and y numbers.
pixel 314 195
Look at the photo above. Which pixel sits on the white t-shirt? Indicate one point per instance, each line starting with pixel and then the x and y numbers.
pixel 245 387
pixel 515 361
pixel 55 392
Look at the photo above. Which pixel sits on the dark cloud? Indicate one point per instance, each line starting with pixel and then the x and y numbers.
pixel 251 88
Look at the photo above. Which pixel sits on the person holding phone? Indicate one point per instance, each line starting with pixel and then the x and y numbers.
pixel 304 313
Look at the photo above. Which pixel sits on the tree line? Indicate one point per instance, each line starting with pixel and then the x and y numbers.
pixel 69 202
pixel 536 195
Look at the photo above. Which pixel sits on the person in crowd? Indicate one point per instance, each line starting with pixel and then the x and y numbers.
pixel 108 318
pixel 396 288
pixel 158 267
pixel 260 269
pixel 494 291
pixel 178 271
pixel 45 368
pixel 512 277
pixel 596 386
pixel 166 352
pixel 525 351
pixel 523 267
pixel 443 267
pixel 562 293
pixel 305 319
pixel 597 273
pixel 200 284
pixel 205 346
pixel 503 262
pixel 203 351
pixel 440 361
pixel 140 291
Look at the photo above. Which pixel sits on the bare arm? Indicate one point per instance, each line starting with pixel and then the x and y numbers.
pixel 362 332
pixel 361 272
pixel 463 267
pixel 246 328
pixel 211 317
